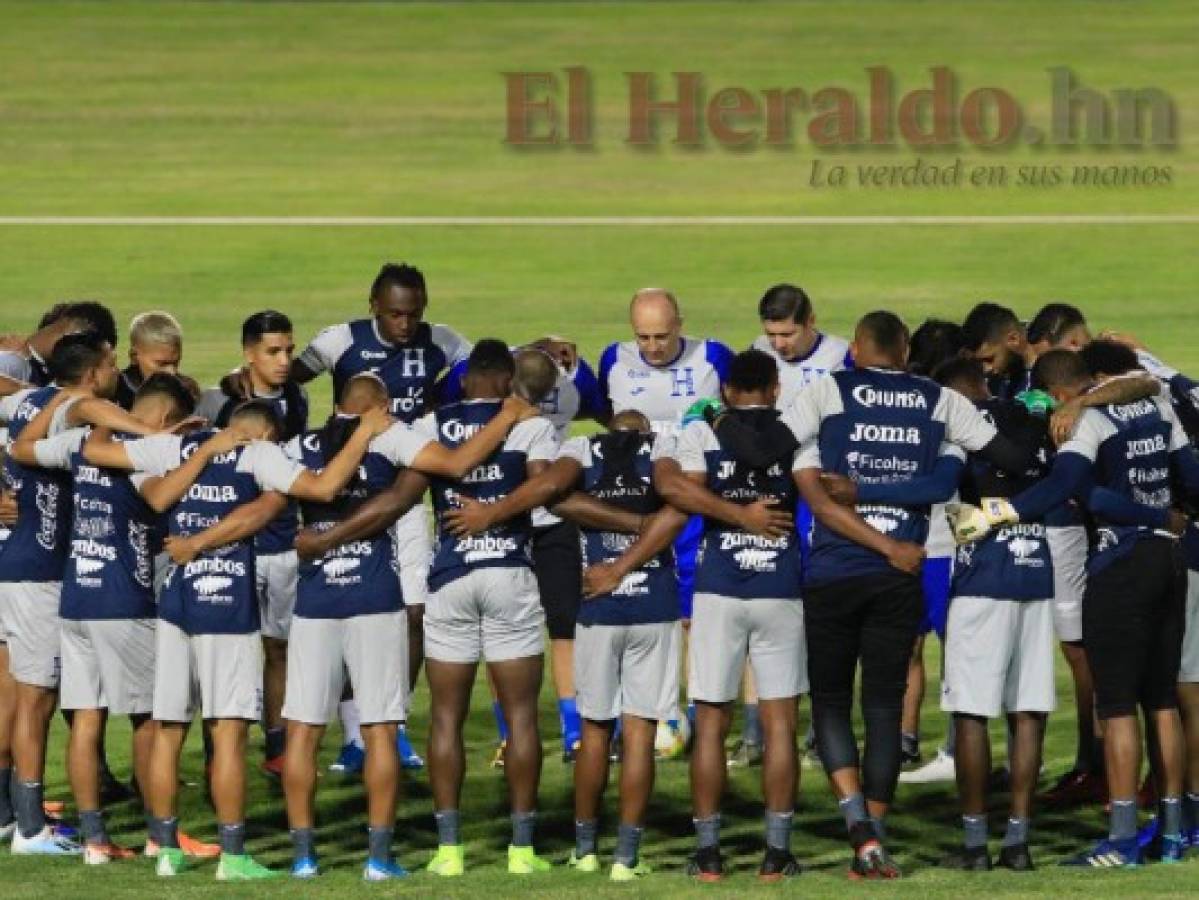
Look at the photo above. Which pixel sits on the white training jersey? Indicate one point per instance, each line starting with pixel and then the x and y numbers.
pixel 662 393
pixel 828 354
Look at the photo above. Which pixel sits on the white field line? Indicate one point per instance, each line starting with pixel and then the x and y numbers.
pixel 587 221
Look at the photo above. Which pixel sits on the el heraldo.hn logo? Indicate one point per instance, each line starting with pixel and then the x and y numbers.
pixel 555 109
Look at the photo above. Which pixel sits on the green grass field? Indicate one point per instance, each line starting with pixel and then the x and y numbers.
pixel 309 109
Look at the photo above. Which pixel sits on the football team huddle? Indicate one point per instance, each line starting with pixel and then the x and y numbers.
pixel 747 528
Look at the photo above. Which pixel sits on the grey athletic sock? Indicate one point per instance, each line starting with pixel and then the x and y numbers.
pixel 233 839
pixel 585 837
pixel 523 826
pixel 1171 816
pixel 6 810
pixel 447 827
pixel 853 808
pixel 303 843
pixel 1123 820
pixel 974 831
pixel 751 732
pixel 707 831
pixel 1017 832
pixel 163 832
pixel 880 828
pixel 91 824
pixel 378 842
pixel 628 844
pixel 909 743
pixel 778 829
pixel 27 800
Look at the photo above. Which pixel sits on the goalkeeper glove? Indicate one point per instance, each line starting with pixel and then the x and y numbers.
pixel 967 522
pixel 999 511
pixel 706 410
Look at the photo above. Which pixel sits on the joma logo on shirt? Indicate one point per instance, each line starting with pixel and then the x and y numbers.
pixel 488 472
pixel 869 397
pixel 1146 447
pixel 884 434
pixel 212 493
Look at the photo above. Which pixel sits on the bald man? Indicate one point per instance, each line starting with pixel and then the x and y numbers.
pixel 660 373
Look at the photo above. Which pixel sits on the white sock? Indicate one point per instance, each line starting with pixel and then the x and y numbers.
pixel 351 722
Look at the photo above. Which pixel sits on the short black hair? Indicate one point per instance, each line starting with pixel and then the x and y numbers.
pixel 164 384
pixel 399 275
pixel 959 370
pixel 267 321
pixel 884 329
pixel 87 314
pixel 785 303
pixel 52 315
pixel 1059 368
pixel 1104 357
pixel 987 322
pixel 74 354
pixel 263 410
pixel 1052 322
pixel 752 370
pixel 933 343
pixel 491 357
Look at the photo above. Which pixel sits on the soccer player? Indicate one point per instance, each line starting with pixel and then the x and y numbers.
pixel 994 336
pixel 1058 326
pixel 863 599
pixel 410 355
pixel 483 603
pixel 1000 634
pixel 1134 607
pixel 747 608
pixel 557 564
pixel 29 364
pixel 208 655
pixel 624 634
pixel 660 373
pixel 349 618
pixel 1184 396
pixel 933 343
pixel 108 606
pixel 155 345
pixel 32 562
pixel 267 347
pixel 803 354
pixel 555 548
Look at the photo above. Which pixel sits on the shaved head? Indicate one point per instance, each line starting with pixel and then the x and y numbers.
pixel 362 392
pixel 657 325
pixel 536 375
pixel 631 420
